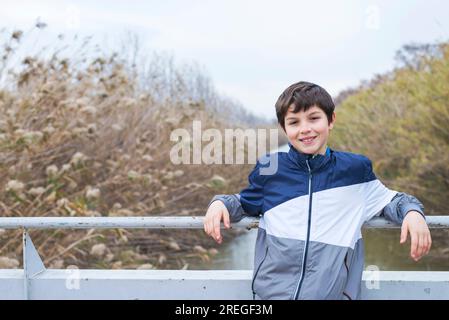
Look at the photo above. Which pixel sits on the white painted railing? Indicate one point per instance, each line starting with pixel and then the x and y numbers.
pixel 434 222
pixel 36 282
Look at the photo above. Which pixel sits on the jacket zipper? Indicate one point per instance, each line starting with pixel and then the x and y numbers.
pixel 304 257
pixel 347 274
pixel 257 271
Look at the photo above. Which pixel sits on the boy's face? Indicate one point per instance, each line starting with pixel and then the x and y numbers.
pixel 308 131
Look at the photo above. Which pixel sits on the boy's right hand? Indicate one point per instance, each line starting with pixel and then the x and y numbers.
pixel 215 214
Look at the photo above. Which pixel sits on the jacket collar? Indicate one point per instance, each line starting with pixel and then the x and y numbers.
pixel 315 161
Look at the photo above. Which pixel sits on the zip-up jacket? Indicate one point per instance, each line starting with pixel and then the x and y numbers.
pixel 309 243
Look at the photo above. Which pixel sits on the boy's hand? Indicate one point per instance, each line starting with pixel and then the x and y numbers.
pixel 217 211
pixel 419 234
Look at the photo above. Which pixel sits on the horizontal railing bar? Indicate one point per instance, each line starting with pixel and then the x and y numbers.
pixel 434 222
pixel 165 222
pixel 193 222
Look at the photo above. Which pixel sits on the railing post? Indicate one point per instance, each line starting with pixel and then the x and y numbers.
pixel 32 264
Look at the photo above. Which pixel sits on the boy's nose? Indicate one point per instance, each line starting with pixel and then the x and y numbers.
pixel 305 130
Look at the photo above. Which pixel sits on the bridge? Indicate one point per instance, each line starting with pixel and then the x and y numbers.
pixel 35 281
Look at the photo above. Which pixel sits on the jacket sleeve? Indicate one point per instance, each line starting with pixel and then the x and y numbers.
pixel 377 196
pixel 381 201
pixel 248 202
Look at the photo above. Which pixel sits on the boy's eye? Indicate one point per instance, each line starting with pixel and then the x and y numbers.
pixel 294 122
pixel 315 118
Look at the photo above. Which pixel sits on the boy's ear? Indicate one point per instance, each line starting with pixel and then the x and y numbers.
pixel 331 125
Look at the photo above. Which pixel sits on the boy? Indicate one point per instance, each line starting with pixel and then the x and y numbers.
pixel 309 243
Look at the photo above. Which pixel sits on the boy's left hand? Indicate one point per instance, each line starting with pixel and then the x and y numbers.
pixel 419 234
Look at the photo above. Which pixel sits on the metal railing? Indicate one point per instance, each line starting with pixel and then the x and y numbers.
pixel 33 265
pixel 434 222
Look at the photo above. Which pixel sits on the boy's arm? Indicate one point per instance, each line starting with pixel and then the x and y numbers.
pixel 408 211
pixel 400 208
pixel 249 201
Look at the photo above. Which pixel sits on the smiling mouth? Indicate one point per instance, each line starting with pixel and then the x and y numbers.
pixel 308 140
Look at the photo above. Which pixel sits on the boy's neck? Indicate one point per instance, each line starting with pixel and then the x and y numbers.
pixel 325 151
pixel 322 152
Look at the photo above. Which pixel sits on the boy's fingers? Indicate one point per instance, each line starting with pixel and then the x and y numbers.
pixel 226 221
pixel 430 242
pixel 418 247
pixel 421 244
pixel 414 245
pixel 205 224
pixel 217 221
pixel 404 230
pixel 210 226
pixel 426 244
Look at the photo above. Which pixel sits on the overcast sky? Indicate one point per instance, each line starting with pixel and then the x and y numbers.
pixel 253 50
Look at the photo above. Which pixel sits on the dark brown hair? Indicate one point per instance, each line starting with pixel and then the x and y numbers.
pixel 303 95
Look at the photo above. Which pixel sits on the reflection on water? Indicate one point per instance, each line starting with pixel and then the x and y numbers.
pixel 382 249
pixel 237 254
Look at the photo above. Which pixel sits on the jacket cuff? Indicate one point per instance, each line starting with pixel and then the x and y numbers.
pixel 412 207
pixel 400 205
pixel 232 203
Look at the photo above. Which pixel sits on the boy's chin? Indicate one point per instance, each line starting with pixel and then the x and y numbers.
pixel 305 150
